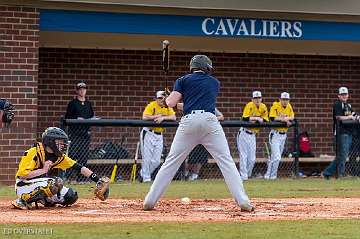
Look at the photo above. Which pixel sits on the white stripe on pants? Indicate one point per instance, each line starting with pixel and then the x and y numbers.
pixel 198 128
pixel 151 150
pixel 277 143
pixel 246 144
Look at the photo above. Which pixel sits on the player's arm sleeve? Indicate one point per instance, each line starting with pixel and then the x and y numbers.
pixel 338 109
pixel 91 111
pixel 149 110
pixel 27 164
pixel 77 167
pixel 246 113
pixel 273 113
pixel 70 111
pixel 171 111
pixel 178 86
pixel 265 115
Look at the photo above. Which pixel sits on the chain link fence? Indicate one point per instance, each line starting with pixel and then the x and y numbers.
pixel 100 144
pixel 352 164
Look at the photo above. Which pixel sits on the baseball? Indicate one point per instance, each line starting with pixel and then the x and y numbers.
pixel 185 200
pixel 166 42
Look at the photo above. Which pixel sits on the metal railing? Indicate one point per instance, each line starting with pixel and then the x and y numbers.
pixel 100 144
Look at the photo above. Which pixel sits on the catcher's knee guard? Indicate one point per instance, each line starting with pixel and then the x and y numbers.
pixel 70 197
pixel 52 188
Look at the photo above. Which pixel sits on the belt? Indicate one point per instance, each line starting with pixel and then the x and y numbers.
pixel 247 131
pixel 158 133
pixel 199 112
pixel 279 132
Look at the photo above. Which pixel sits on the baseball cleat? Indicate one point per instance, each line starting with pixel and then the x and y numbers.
pixel 20 204
pixel 147 207
pixel 247 208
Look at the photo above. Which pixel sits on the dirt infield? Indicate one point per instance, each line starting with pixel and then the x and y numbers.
pixel 199 210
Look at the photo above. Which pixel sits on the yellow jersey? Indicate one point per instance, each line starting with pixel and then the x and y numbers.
pixel 153 108
pixel 34 159
pixel 277 110
pixel 251 110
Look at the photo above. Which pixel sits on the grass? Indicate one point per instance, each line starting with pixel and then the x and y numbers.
pixel 283 188
pixel 309 229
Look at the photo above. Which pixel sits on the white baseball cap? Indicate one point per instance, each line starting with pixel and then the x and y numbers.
pixel 160 94
pixel 256 94
pixel 343 90
pixel 285 95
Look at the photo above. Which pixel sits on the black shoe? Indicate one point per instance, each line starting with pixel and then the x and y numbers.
pixel 326 177
pixel 139 178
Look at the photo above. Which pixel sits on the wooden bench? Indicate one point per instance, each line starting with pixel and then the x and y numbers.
pixel 322 159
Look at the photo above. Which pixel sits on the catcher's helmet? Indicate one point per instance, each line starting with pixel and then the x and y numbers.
pixel 7 108
pixel 50 135
pixel 201 62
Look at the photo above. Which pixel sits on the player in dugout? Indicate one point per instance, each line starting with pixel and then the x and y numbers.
pixel 33 181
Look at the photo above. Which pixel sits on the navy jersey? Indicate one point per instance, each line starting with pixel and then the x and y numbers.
pixel 199 91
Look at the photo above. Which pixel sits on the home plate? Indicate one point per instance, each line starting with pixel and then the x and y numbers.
pixel 208 209
pixel 88 212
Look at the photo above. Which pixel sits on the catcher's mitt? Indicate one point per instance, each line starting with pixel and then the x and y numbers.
pixel 102 188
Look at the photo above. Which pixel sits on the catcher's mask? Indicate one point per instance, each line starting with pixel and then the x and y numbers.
pixel 56 139
pixel 8 111
pixel 201 62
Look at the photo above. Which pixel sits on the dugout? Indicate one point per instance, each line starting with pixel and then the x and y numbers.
pixel 306 48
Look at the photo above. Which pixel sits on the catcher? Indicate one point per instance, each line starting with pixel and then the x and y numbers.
pixel 33 181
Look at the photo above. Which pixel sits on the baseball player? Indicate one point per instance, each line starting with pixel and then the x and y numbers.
pixel 34 183
pixel 256 112
pixel 280 111
pixel 6 112
pixel 199 125
pixel 151 139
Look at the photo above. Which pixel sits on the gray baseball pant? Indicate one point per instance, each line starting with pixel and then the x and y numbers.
pixel 199 127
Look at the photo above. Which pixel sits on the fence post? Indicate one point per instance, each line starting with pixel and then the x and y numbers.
pixel 296 148
pixel 337 146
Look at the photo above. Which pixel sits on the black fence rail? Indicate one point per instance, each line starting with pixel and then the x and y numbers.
pixel 100 144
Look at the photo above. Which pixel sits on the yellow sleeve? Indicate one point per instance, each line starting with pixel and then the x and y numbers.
pixel 66 163
pixel 149 109
pixel 273 111
pixel 171 111
pixel 27 163
pixel 291 114
pixel 247 111
pixel 265 113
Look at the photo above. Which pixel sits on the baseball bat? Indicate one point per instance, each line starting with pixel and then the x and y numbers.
pixel 166 61
pixel 116 165
pixel 134 167
pixel 113 173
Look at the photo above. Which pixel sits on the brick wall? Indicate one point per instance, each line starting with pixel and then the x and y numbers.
pixel 19 40
pixel 122 81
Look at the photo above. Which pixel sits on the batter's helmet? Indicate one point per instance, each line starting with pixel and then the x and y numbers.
pixel 50 135
pixel 201 62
